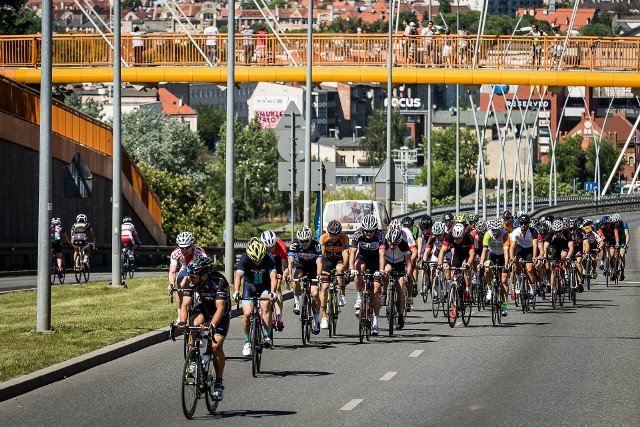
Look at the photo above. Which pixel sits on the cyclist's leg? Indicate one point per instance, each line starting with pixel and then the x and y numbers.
pixel 296 285
pixel 323 289
pixel 222 328
pixel 76 256
pixel 248 291
pixel 341 280
pixel 266 310
pixel 56 246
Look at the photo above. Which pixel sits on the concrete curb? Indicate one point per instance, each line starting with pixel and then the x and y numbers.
pixel 26 383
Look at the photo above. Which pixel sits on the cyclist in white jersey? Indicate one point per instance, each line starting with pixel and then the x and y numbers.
pixel 495 251
pixel 398 259
pixel 182 255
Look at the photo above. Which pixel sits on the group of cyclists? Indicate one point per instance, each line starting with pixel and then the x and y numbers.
pixel 509 243
pixel 83 240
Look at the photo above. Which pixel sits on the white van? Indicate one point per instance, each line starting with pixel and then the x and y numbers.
pixel 350 213
pixel 626 189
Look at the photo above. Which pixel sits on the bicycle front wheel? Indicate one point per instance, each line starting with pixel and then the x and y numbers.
pixel 86 272
pixel 451 305
pixel 495 308
pixel 330 310
pixel 78 274
pixel 212 405
pixel 63 274
pixel 426 286
pixel 392 307
pixel 436 292
pixel 190 382
pixel 303 317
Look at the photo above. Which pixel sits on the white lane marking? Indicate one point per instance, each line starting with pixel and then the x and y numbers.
pixel 435 339
pixel 388 376
pixel 416 353
pixel 352 404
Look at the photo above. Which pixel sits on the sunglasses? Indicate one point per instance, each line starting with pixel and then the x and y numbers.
pixel 305 241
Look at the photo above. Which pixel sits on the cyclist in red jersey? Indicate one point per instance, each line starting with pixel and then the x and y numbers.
pixel 278 249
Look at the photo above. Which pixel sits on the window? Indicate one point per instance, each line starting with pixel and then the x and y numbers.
pixel 343 160
pixel 366 180
pixel 632 160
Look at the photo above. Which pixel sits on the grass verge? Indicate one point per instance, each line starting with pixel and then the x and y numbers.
pixel 86 318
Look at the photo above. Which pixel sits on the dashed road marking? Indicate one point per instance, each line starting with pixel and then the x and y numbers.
pixel 416 353
pixel 388 376
pixel 352 404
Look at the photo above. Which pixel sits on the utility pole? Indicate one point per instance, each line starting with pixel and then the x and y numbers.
pixel 116 174
pixel 389 108
pixel 458 123
pixel 307 147
pixel 428 121
pixel 229 198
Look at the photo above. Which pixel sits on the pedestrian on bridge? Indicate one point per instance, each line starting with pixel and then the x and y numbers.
pixel 138 45
pixel 212 34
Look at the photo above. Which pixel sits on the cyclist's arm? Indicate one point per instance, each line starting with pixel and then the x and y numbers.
pixel 472 254
pixel 290 266
pixel 173 274
pixel 184 309
pixel 483 257
pixel 135 236
pixel 414 253
pixel 352 258
pixel 345 257
pixel 443 250
pixel 407 262
pixel 535 248
pixel 545 249
pixel 236 281
pixel 571 251
pixel 221 305
pixel 274 281
pixel 93 236
pixel 382 259
pixel 319 266
pixel 66 237
pixel 617 236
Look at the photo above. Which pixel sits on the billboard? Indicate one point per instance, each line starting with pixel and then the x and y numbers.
pixel 268 109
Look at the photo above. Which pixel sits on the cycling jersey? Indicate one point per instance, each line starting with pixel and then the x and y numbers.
pixel 558 243
pixel 305 256
pixel 609 232
pixel 279 251
pixel 416 231
pixel 407 236
pixel 80 233
pixel 128 231
pixel 466 244
pixel 592 237
pixel 215 288
pixel 256 274
pixel 434 244
pixel 334 250
pixel 523 240
pixel 56 232
pixel 178 258
pixel 496 245
pixel 396 255
pixel 478 241
pixel 368 246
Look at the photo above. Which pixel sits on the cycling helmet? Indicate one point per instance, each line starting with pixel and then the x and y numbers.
pixel 579 221
pixel 495 225
pixel 426 223
pixel 520 213
pixel 534 222
pixel 447 217
pixel 394 236
pixel 458 231
pixel 587 228
pixel 268 237
pixel 606 219
pixel 438 228
pixel 460 218
pixel 199 266
pixel 334 227
pixel 126 219
pixel 572 223
pixel 304 234
pixel 256 250
pixel 507 215
pixel 615 217
pixel 369 223
pixel 395 223
pixel 543 228
pixel 56 221
pixel 473 218
pixel 407 221
pixel 481 227
pixel 587 222
pixel 556 225
pixel 524 219
pixel 81 218
pixel 185 239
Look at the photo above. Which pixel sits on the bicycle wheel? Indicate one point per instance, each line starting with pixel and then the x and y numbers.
pixel 361 323
pixel 86 272
pixel 368 317
pixel 303 317
pixel 330 310
pixel 190 383
pixel 212 405
pixel 586 277
pixel 574 287
pixel 426 285
pixel 494 310
pixel 54 273
pixel 309 321
pixel 435 296
pixel 63 274
pixel 78 274
pixel 132 267
pixel 607 267
pixel 516 286
pixel 466 308
pixel 524 294
pixel 391 306
pixel 255 338
pixel 124 267
pixel 451 305
pixel 480 292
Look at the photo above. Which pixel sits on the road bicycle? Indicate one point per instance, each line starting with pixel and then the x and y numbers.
pixel 333 308
pixel 306 308
pixel 57 273
pixel 525 291
pixel 84 271
pixel 497 294
pixel 392 298
pixel 458 289
pixel 425 284
pixel 128 263
pixel 365 313
pixel 557 289
pixel 611 274
pixel 439 293
pixel 198 373
pixel 256 333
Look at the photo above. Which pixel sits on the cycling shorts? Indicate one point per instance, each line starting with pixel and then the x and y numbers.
pixel 371 263
pixel 222 328
pixel 459 257
pixel 399 267
pixel 329 264
pixel 308 269
pixel 81 244
pixel 525 253
pixel 56 246
pixel 126 241
pixel 250 290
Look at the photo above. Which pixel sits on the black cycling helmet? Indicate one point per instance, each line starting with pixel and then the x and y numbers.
pixel 507 215
pixel 334 227
pixel 407 221
pixel 447 217
pixel 199 266
pixel 524 219
pixel 426 223
pixel 394 236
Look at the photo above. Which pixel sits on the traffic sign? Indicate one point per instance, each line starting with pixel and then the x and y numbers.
pixel 284 175
pixel 590 186
pixel 292 118
pixel 381 181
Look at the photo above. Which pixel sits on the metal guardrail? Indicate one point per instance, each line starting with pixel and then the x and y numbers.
pixel 588 208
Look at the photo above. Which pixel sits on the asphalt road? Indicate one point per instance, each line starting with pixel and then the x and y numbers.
pixel 16 283
pixel 569 366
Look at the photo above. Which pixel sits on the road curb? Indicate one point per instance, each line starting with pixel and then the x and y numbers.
pixel 26 383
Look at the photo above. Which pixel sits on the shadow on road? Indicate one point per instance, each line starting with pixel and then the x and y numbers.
pixel 248 414
pixel 284 374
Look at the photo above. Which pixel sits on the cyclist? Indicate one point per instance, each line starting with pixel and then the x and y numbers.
pixel 305 259
pixel 524 246
pixel 477 231
pixel 463 253
pixel 129 236
pixel 334 245
pixel 426 226
pixel 507 221
pixel 398 259
pixel 447 219
pixel 213 306
pixel 368 246
pixel 495 250
pixel 57 234
pixel 80 232
pixel 412 273
pixel 559 247
pixel 259 272
pixel 609 233
pixel 183 255
pixel 278 250
pixel 623 234
pixel 542 229
pixel 575 234
pixel 591 244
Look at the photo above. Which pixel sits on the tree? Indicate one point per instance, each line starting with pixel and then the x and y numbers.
pixel 90 107
pixel 445 6
pixel 596 30
pixel 210 120
pixel 608 156
pixel 374 142
pixel 570 160
pixel 14 19
pixel 161 141
pixel 409 17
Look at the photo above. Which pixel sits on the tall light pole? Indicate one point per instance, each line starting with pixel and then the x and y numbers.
pixel 307 113
pixel 389 108
pixel 458 122
pixel 116 179
pixel 428 120
pixel 229 197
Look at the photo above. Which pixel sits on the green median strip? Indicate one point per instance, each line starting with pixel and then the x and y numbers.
pixel 86 318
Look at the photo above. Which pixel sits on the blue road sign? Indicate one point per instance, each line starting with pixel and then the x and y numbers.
pixel 590 186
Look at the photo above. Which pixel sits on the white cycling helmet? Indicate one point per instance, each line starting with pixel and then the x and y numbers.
pixel 185 239
pixel 438 228
pixel 55 221
pixel 304 234
pixel 394 236
pixel 458 230
pixel 81 218
pixel 395 224
pixel 557 225
pixel 268 237
pixel 481 227
pixel 369 223
pixel 495 224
